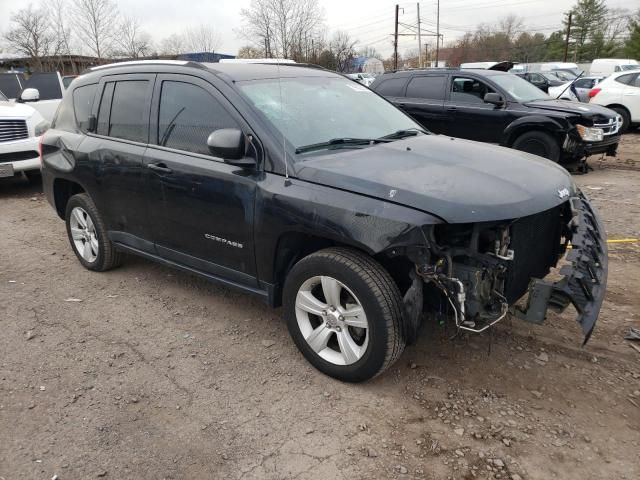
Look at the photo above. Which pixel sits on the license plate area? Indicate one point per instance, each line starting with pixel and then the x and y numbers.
pixel 6 170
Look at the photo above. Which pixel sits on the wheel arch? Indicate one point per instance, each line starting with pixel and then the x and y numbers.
pixel 293 246
pixel 63 190
pixel 532 123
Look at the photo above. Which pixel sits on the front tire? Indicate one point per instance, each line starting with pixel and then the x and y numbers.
pixel 343 311
pixel 88 235
pixel 538 143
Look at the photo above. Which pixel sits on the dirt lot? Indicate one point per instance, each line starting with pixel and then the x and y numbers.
pixel 156 374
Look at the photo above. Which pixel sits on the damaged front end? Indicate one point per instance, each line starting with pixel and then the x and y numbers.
pixel 474 273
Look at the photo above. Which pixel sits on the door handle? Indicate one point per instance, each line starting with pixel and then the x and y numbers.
pixel 451 109
pixel 159 167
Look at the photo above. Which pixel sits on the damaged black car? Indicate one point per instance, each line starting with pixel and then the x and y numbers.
pixel 313 193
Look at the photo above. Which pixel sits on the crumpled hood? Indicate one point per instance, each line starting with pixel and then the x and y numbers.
pixel 591 111
pixel 15 110
pixel 457 180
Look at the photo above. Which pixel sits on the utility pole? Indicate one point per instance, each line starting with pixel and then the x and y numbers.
pixel 395 41
pixel 437 33
pixel 566 41
pixel 419 39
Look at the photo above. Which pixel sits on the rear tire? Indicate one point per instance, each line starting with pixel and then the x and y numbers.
pixel 538 143
pixel 33 176
pixel 88 235
pixel 626 118
pixel 369 338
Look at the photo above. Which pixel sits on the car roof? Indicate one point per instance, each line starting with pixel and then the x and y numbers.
pixel 233 71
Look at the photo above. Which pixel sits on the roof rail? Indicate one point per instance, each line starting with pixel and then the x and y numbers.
pixel 430 69
pixel 146 62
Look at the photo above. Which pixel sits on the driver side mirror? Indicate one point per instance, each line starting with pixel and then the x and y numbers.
pixel 29 95
pixel 494 98
pixel 229 144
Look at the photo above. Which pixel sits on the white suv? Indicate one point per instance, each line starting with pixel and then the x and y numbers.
pixel 620 92
pixel 20 129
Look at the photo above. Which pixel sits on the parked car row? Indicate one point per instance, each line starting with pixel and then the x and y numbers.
pixel 308 190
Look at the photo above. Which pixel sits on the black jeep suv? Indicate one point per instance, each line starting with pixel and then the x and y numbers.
pixel 309 190
pixel 502 108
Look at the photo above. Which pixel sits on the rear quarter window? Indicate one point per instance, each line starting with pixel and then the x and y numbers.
pixel 626 79
pixel 430 87
pixel 82 103
pixel 391 88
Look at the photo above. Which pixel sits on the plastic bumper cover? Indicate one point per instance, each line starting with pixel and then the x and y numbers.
pixel 584 276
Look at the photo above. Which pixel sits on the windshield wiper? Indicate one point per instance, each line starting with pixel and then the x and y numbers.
pixel 399 134
pixel 340 142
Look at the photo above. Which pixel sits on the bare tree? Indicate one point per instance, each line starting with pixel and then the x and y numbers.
pixel 174 44
pixel 370 52
pixel 343 47
pixel 203 38
pixel 511 26
pixel 133 42
pixel 97 24
pixel 284 28
pixel 57 11
pixel 250 52
pixel 30 34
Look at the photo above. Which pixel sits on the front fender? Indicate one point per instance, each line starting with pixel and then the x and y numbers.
pixel 286 207
pixel 523 124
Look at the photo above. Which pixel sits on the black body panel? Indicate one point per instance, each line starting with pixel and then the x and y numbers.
pixel 502 125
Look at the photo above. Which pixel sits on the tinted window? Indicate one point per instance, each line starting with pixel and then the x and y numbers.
pixel 188 114
pixel 392 87
pixel 427 87
pixel 129 117
pixel 105 108
pixel 626 79
pixel 82 102
pixel 469 90
pixel 583 83
pixel 537 78
pixel 48 85
pixel 10 84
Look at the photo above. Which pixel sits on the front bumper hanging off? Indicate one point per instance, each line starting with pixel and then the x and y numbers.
pixel 584 276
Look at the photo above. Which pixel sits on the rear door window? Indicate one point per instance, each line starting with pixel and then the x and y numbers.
pixel 469 90
pixel 82 103
pixel 129 118
pixel 394 87
pixel 429 87
pixel 188 114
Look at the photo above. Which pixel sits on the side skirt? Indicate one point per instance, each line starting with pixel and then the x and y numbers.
pixel 265 294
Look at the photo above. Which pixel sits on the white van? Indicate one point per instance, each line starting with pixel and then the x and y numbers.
pixel 607 66
pixel 567 66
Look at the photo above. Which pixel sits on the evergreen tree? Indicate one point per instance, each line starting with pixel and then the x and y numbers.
pixel 632 46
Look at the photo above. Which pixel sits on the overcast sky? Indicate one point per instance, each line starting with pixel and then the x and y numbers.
pixel 369 21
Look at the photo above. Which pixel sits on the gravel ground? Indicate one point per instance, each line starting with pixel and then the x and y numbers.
pixel 148 373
